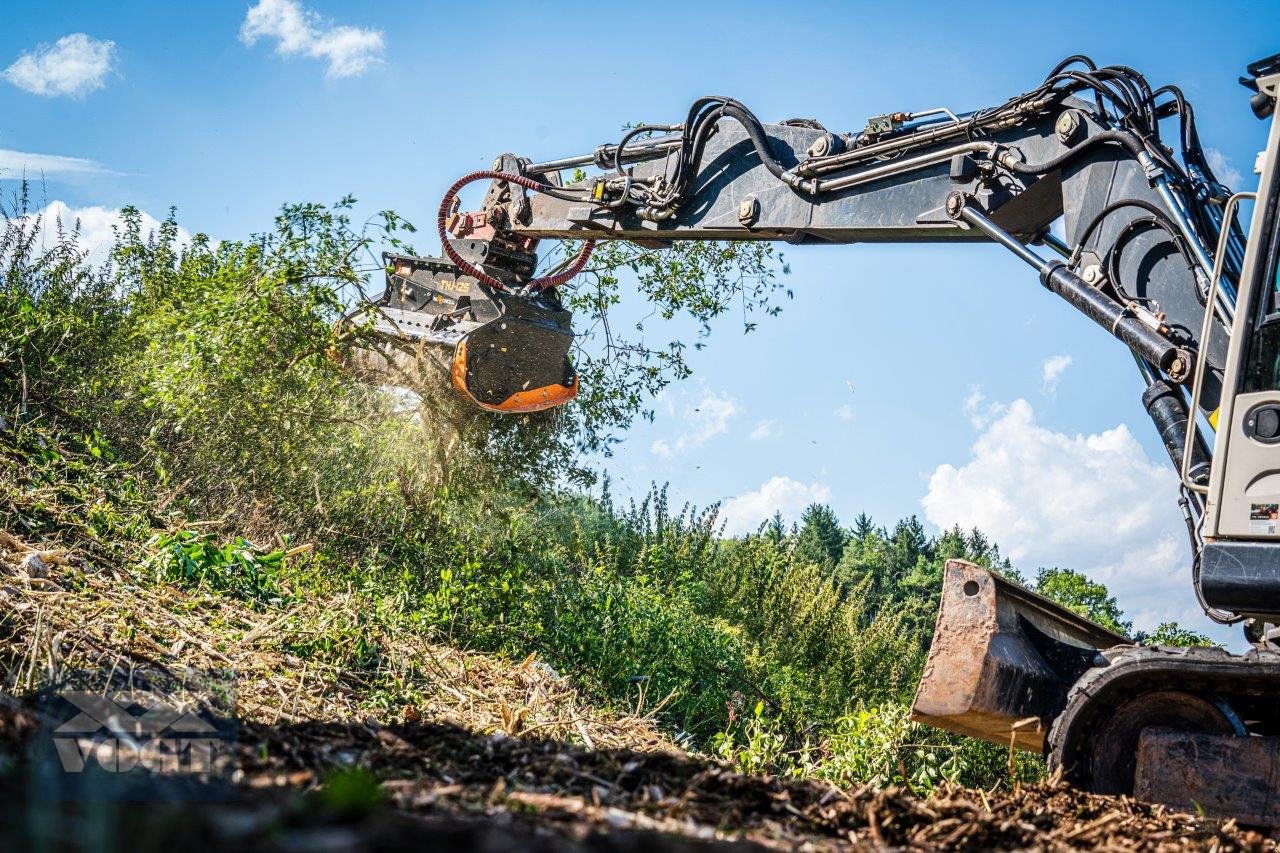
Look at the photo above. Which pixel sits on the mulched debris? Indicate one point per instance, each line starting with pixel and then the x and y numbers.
pixel 433 769
pixel 451 788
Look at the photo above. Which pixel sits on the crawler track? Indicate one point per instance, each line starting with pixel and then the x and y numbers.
pixel 1094 740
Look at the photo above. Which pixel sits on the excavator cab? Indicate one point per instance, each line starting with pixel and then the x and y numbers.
pixel 1240 571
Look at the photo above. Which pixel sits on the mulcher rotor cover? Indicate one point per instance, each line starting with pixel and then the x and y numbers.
pixel 510 349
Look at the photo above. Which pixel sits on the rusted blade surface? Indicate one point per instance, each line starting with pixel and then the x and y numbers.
pixel 1220 775
pixel 1002 659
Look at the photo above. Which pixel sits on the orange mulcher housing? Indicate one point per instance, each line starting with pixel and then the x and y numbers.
pixel 510 349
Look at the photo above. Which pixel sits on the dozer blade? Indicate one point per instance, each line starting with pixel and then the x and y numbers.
pixel 510 350
pixel 1003 659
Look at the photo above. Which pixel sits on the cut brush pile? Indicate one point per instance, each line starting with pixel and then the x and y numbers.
pixel 291 664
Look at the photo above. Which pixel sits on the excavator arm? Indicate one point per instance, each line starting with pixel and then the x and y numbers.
pixel 1074 178
pixel 1138 225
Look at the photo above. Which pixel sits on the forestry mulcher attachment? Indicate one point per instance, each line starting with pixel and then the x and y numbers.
pixel 1150 250
pixel 510 350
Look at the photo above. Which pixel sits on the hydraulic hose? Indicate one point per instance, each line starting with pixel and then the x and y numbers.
pixel 756 133
pixel 1128 140
pixel 446 204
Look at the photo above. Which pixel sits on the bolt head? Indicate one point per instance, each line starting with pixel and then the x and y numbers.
pixel 1067 125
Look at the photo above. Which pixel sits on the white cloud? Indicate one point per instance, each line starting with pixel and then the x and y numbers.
pixel 763 430
pixel 976 408
pixel 18 164
pixel 746 512
pixel 706 418
pixel 1095 503
pixel 96 227
pixel 1051 372
pixel 845 413
pixel 1222 167
pixel 73 66
pixel 350 51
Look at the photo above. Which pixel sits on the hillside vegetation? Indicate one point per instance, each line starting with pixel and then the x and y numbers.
pixel 190 455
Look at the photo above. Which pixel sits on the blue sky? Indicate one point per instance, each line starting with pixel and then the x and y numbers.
pixel 935 379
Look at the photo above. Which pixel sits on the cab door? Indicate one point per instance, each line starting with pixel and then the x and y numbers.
pixel 1244 495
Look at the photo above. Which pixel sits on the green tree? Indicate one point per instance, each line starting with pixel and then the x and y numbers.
pixel 1088 598
pixel 775 529
pixel 623 367
pixel 821 540
pixel 1172 634
pixel 863 527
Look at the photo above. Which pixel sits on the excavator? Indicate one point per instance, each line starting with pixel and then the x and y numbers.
pixel 1076 178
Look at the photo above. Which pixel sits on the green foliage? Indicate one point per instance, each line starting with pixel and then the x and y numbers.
pixel 1088 598
pixel 70 489
pixel 817 633
pixel 1172 634
pixel 882 746
pixel 229 378
pixel 621 368
pixel 821 540
pixel 57 315
pixel 351 794
pixel 238 567
pixel 342 638
pixel 756 747
pixel 877 745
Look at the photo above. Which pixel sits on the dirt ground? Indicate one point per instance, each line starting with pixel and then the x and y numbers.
pixel 439 786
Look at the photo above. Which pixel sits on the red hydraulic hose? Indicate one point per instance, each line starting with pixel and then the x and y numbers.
pixel 446 204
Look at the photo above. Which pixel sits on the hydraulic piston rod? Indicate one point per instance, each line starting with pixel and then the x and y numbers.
pixel 1119 320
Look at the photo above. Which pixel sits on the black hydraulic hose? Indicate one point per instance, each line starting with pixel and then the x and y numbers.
pixel 1126 87
pixel 698 128
pixel 1100 90
pixel 1157 214
pixel 1186 119
pixel 755 131
pixel 1136 78
pixel 1072 60
pixel 1127 232
pixel 1128 140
